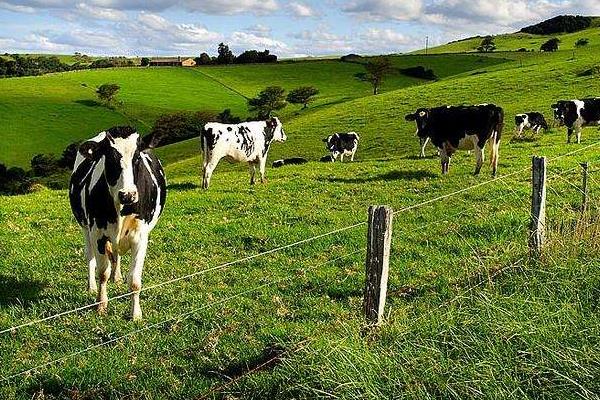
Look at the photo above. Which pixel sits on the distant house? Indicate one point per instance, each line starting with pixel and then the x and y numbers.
pixel 172 62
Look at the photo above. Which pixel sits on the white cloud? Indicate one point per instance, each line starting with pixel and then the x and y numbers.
pixel 259 30
pixel 400 10
pixel 302 10
pixel 241 41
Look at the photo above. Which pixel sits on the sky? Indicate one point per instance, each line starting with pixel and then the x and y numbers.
pixel 287 28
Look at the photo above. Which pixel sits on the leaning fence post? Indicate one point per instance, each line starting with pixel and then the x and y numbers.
pixel 379 240
pixel 584 187
pixel 537 230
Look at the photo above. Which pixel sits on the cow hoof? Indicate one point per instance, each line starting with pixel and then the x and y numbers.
pixel 136 315
pixel 102 309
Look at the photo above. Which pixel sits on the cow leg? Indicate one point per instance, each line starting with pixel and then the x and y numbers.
pixel 252 168
pixel 569 134
pixel 207 174
pixel 139 244
pixel 115 260
pixel 479 157
pixel 578 131
pixel 495 154
pixel 91 261
pixel 445 160
pixel 342 157
pixel 262 166
pixel 352 156
pixel 103 270
pixel 423 142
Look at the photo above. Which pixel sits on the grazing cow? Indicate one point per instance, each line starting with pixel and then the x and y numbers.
pixel 453 128
pixel 117 193
pixel 575 114
pixel 289 161
pixel 531 120
pixel 342 144
pixel 246 142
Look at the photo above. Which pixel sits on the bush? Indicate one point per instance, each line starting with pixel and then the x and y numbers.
pixel 419 72
pixel 594 71
pixel 107 93
pixel 145 61
pixel 204 59
pixel 487 45
pixel 560 24
pixel 175 127
pixel 551 45
pixel 14 180
pixel 44 165
pixel 351 58
pixel 255 57
pixel 67 160
pixel 522 50
pixel 270 99
pixel 112 62
pixel 582 42
pixel 225 117
pixel 302 95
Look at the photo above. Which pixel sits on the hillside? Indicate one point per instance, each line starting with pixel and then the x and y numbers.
pixel 515 41
pixel 44 114
pixel 467 317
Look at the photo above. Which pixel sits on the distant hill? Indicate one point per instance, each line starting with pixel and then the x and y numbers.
pixel 561 24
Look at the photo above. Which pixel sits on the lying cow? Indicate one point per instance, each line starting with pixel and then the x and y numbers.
pixel 246 142
pixel 289 161
pixel 342 144
pixel 531 120
pixel 461 128
pixel 117 193
pixel 575 114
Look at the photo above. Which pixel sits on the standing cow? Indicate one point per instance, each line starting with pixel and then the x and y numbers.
pixel 575 114
pixel 342 144
pixel 117 193
pixel 246 142
pixel 452 128
pixel 531 120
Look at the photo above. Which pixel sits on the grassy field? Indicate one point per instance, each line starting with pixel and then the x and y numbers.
pixel 516 41
pixel 468 315
pixel 45 114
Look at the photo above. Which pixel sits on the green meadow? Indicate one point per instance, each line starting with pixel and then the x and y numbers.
pixel 469 315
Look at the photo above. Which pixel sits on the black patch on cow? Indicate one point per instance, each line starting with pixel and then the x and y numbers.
pixel 591 111
pixel 102 244
pixel 450 124
pixel 229 128
pixel 269 133
pixel 246 142
pixel 122 131
pixel 207 138
pixel 341 142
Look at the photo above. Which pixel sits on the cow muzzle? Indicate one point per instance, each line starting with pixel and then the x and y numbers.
pixel 128 197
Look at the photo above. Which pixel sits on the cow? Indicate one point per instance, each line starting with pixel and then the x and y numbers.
pixel 531 120
pixel 117 193
pixel 575 114
pixel 342 144
pixel 452 128
pixel 245 142
pixel 289 161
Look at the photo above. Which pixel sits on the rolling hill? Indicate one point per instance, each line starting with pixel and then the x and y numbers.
pixel 468 316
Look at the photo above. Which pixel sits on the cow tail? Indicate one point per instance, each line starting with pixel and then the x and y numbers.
pixel 204 143
pixel 495 139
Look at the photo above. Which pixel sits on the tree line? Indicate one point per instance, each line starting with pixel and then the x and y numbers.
pixel 488 45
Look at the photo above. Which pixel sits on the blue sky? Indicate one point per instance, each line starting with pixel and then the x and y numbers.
pixel 287 28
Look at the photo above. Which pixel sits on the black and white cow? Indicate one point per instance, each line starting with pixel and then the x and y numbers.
pixel 452 128
pixel 342 144
pixel 531 120
pixel 117 193
pixel 575 114
pixel 246 142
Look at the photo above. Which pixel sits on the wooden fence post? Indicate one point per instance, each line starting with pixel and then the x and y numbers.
pixel 584 187
pixel 537 229
pixel 379 240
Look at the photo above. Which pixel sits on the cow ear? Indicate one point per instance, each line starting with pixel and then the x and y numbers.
pixel 89 150
pixel 411 117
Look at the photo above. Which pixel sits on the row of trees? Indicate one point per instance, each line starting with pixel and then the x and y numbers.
pixel 225 56
pixel 17 65
pixel 488 45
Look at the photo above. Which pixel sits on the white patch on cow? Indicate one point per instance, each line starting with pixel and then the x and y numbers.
pixel 126 148
pixel 147 160
pixel 98 170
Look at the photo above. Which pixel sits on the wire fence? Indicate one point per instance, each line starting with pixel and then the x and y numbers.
pixel 517 191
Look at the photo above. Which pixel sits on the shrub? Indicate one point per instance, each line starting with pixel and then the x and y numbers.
pixel 302 95
pixel 487 45
pixel 107 93
pixel 225 117
pixel 270 99
pixel 419 72
pixel 145 61
pixel 204 59
pixel 67 160
pixel 582 42
pixel 551 45
pixel 351 58
pixel 175 127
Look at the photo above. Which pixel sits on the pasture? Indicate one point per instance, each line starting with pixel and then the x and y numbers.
pixel 468 315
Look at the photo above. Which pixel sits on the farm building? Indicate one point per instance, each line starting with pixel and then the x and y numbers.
pixel 172 62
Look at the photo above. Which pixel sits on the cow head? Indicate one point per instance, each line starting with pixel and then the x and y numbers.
pixel 421 117
pixel 275 127
pixel 117 154
pixel 330 144
pixel 561 110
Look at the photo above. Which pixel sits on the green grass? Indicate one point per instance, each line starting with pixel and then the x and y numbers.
pixel 516 41
pixel 456 327
pixel 45 114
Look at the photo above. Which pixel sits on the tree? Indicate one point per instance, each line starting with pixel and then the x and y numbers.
pixel 270 99
pixel 225 117
pixel 487 45
pixel 175 127
pixel 302 95
pixel 107 93
pixel 204 59
pixel 377 69
pixel 145 61
pixel 582 42
pixel 44 165
pixel 225 55
pixel 551 45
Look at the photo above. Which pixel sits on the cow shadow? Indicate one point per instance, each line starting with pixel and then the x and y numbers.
pixel 88 103
pixel 416 158
pixel 266 360
pixel 19 292
pixel 183 186
pixel 388 176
